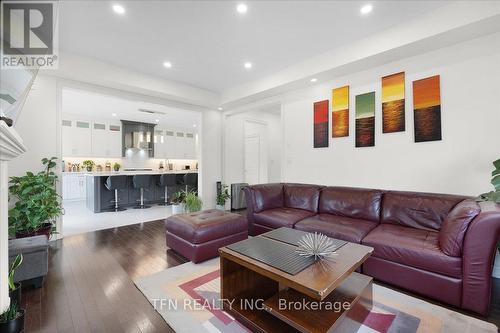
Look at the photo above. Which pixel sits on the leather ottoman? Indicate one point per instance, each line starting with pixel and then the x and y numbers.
pixel 198 236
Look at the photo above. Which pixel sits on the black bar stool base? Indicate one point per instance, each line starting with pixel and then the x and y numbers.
pixel 119 209
pixel 142 207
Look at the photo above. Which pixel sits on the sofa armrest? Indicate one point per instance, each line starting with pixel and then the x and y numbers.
pixel 249 198
pixel 478 254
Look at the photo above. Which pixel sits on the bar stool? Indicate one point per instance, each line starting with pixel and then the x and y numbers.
pixel 191 181
pixel 165 181
pixel 115 183
pixel 141 182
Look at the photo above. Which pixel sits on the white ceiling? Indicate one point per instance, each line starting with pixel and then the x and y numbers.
pixel 98 106
pixel 208 41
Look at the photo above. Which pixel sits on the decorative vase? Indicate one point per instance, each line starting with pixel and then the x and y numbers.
pixel 89 169
pixel 220 207
pixel 116 169
pixel 14 326
pixel 178 209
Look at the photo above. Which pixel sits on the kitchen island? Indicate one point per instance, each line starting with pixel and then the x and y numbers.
pixel 100 199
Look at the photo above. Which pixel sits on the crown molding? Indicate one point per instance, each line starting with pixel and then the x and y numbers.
pixel 11 144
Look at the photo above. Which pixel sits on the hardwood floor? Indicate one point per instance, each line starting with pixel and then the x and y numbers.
pixel 90 288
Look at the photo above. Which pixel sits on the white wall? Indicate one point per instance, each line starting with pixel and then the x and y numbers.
pixel 210 166
pixel 460 163
pixel 38 127
pixel 234 135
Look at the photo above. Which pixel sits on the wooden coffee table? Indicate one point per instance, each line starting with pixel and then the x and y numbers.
pixel 317 299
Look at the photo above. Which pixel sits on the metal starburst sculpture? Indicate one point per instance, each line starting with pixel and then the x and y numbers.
pixel 316 245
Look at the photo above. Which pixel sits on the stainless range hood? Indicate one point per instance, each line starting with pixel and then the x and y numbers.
pixel 137 136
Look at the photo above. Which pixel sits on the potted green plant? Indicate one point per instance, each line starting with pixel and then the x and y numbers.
pixel 178 201
pixel 15 288
pixel 495 181
pixel 493 195
pixel 88 164
pixel 193 202
pixel 116 166
pixel 12 320
pixel 222 197
pixel 37 204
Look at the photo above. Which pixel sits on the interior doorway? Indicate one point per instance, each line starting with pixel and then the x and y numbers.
pixel 252 159
pixel 255 152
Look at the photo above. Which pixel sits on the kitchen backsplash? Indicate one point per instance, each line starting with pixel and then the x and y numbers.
pixel 131 161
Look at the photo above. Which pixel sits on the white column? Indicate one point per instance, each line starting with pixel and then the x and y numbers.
pixel 11 146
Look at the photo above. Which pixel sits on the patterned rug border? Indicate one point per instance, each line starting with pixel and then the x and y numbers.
pixel 188 276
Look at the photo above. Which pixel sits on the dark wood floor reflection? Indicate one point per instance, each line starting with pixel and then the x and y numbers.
pixel 90 285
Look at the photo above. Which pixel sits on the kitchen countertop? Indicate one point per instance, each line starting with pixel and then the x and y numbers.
pixel 127 173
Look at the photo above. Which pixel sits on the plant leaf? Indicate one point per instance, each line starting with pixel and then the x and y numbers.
pixel 497 164
pixel 496 182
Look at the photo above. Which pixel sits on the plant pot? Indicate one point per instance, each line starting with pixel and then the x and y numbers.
pixel 116 169
pixel 89 169
pixel 45 230
pixel 220 207
pixel 15 295
pixel 14 326
pixel 178 209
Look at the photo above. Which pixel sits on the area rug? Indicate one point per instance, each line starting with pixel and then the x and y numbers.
pixel 187 297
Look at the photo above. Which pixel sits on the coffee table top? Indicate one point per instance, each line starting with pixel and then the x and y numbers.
pixel 319 279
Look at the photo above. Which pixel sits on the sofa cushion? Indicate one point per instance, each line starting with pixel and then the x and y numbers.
pixel 351 202
pixel 281 217
pixel 302 196
pixel 417 210
pixel 267 196
pixel 412 247
pixel 340 227
pixel 452 234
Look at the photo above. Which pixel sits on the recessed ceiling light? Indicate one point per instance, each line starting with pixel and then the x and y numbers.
pixel 366 9
pixel 113 114
pixel 157 120
pixel 242 8
pixel 220 108
pixel 194 125
pixel 119 9
pixel 314 79
pixel 167 64
pixel 248 65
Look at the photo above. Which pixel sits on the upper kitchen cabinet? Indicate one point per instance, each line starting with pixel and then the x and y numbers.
pixel 189 146
pixel 76 138
pixel 83 138
pixel 106 140
pixel 174 144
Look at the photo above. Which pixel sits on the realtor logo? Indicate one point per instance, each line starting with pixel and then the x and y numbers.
pixel 28 34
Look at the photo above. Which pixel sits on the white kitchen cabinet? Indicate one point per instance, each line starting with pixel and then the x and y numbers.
pixel 180 144
pixel 91 139
pixel 190 146
pixel 115 140
pixel 74 186
pixel 159 143
pixel 76 138
pixel 106 140
pixel 169 145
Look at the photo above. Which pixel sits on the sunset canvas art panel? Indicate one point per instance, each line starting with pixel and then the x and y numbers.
pixel 321 124
pixel 365 120
pixel 427 109
pixel 340 112
pixel 393 103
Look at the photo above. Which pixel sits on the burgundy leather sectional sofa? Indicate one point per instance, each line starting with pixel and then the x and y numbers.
pixel 437 245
